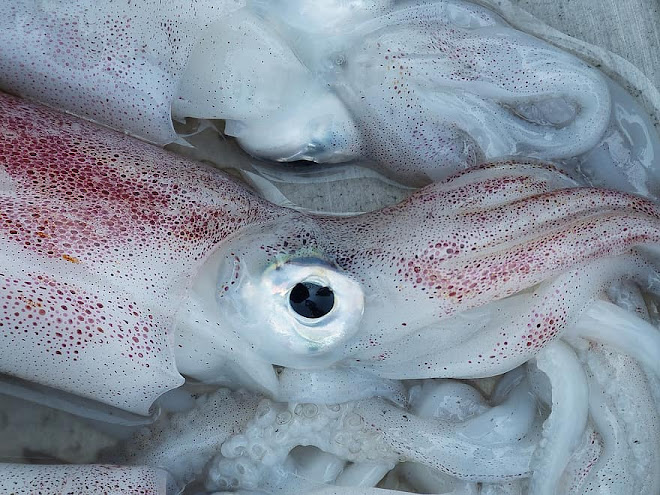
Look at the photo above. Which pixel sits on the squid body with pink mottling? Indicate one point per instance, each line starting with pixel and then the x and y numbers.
pixel 125 266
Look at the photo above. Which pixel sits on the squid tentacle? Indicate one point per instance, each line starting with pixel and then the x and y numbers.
pixel 184 451
pixel 625 415
pixel 491 184
pixel 453 401
pixel 583 460
pixel 363 432
pixel 441 446
pixel 608 324
pixel 508 421
pixel 567 421
pixel 331 386
pixel 444 268
pixel 502 335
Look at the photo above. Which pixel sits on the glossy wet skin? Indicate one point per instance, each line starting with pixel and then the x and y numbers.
pixel 126 266
pixel 107 274
pixel 422 89
pixel 17 478
pixel 100 236
pixel 447 251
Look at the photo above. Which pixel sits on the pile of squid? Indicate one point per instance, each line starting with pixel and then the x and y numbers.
pixel 496 332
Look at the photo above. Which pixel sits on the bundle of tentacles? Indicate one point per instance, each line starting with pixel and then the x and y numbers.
pixel 496 332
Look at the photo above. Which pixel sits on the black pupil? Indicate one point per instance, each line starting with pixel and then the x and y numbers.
pixel 311 300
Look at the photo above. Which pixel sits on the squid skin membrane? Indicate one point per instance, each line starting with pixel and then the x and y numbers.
pixel 89 479
pixel 124 266
pixel 421 88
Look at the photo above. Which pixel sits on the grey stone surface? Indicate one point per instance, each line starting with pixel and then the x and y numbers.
pixel 34 433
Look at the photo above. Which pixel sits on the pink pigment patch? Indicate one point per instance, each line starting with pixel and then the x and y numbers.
pixel 107 233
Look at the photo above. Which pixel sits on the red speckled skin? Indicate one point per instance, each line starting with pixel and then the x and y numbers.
pixel 101 235
pixel 438 270
pixel 455 251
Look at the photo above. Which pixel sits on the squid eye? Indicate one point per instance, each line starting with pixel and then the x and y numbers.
pixel 307 309
pixel 311 300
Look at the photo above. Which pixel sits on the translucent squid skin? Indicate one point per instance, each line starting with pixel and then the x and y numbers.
pixel 124 265
pixel 423 88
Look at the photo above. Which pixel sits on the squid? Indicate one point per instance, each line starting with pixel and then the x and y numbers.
pixel 129 266
pixel 419 89
pixel 600 436
pixel 126 268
